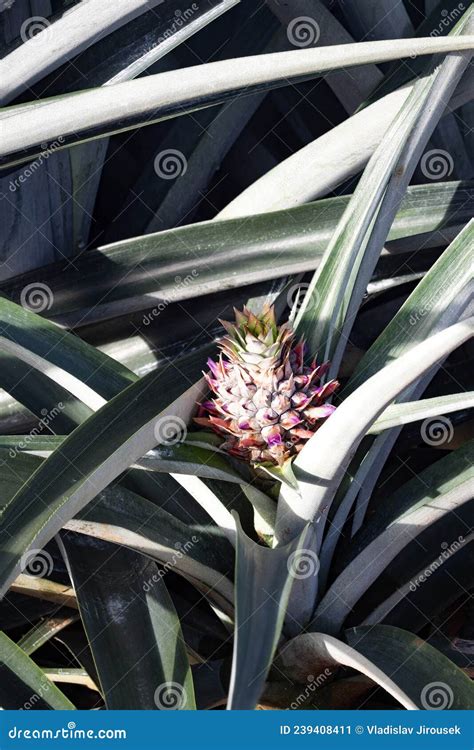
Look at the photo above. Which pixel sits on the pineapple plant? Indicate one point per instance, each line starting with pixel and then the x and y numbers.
pixel 312 492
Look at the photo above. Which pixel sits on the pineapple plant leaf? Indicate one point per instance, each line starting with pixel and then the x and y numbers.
pixel 30 687
pixel 209 254
pixel 147 634
pixel 426 408
pixel 398 646
pixel 360 574
pixel 99 112
pixel 410 496
pixel 338 283
pixel 271 571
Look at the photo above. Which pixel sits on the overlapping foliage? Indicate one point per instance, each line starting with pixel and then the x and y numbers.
pixel 143 195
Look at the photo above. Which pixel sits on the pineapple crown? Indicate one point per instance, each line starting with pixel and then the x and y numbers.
pixel 266 403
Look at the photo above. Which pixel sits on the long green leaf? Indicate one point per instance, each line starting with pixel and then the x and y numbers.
pixel 179 458
pixel 201 554
pixel 81 27
pixel 82 369
pixel 435 480
pixel 440 299
pixel 359 575
pixel 23 684
pixel 322 654
pixel 32 393
pixel 126 609
pixel 321 464
pixel 44 631
pixel 432 302
pixel 413 411
pixel 444 81
pixel 99 450
pixel 438 479
pixel 322 313
pixel 437 301
pixel 204 141
pixel 71 34
pixel 260 610
pixel 319 167
pixel 118 515
pixel 177 264
pixel 92 114
pixel 445 577
pixel 432 680
pixel 410 670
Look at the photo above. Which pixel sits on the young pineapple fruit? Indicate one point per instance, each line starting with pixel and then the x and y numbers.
pixel 266 403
